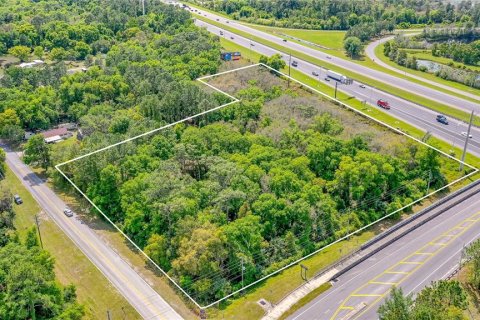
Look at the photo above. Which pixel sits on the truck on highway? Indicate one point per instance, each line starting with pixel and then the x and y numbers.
pixel 337 76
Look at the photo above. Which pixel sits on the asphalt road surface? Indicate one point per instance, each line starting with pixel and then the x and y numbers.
pixel 420 117
pixel 370 52
pixel 429 253
pixel 432 94
pixel 149 304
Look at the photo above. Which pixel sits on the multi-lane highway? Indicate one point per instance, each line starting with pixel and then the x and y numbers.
pixel 422 118
pixel 429 93
pixel 149 304
pixel 426 254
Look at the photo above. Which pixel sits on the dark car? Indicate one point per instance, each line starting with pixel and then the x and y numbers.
pixel 442 119
pixel 17 199
pixel 284 40
pixel 294 64
pixel 314 73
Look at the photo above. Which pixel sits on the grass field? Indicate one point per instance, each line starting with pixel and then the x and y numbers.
pixel 325 38
pixel 246 307
pixel 439 107
pixel 71 265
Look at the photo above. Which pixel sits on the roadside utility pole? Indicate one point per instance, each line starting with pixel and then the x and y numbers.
pixel 38 230
pixel 336 86
pixel 466 142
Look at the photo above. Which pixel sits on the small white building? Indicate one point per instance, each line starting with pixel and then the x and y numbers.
pixel 31 64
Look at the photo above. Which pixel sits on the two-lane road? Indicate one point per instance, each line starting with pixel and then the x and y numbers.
pixel 148 303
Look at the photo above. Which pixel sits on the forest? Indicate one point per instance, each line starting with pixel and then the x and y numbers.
pixel 359 16
pixel 236 190
pixel 217 201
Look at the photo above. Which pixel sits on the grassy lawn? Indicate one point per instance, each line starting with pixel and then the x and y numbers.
pixel 71 265
pixel 427 56
pixel 441 108
pixel 325 38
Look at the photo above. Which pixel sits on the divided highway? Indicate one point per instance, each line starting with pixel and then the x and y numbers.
pixel 429 93
pixel 409 112
pixel 420 117
pixel 149 304
pixel 429 253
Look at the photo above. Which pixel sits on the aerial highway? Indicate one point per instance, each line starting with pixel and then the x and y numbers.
pixel 370 52
pixel 431 252
pixel 148 303
pixel 432 94
pixel 422 118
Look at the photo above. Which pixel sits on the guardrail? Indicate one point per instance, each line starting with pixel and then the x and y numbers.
pixel 405 222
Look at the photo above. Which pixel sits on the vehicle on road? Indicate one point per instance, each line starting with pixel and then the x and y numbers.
pixel 362 86
pixel 442 119
pixel 17 199
pixel 221 33
pixel 294 64
pixel 464 133
pixel 383 104
pixel 218 19
pixel 231 38
pixel 328 57
pixel 336 76
pixel 327 79
pixel 284 40
pixel 68 212
pixel 227 21
pixel 315 73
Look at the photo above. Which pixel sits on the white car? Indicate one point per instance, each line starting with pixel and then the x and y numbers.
pixel 465 134
pixel 68 212
pixel 362 86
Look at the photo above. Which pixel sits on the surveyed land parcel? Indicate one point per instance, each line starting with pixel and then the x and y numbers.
pixel 274 173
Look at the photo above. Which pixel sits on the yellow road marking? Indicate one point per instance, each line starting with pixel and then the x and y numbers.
pixel 451 237
pixel 347 308
pixel 382 282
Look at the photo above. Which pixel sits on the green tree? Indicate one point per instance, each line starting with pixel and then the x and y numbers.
pixel 353 46
pixel 396 306
pixel 21 52
pixel 275 62
pixel 37 152
pixel 38 51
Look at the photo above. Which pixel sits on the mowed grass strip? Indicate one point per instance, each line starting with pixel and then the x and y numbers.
pixel 71 265
pixel 334 40
pixel 436 106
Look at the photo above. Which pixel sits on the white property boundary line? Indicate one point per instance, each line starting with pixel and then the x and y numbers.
pixel 235 100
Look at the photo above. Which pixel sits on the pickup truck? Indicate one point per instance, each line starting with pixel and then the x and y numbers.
pixel 383 104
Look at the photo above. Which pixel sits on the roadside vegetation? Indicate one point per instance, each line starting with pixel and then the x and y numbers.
pixel 436 46
pixel 444 299
pixel 28 286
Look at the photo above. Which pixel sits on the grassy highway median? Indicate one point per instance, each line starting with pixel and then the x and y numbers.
pixel 441 108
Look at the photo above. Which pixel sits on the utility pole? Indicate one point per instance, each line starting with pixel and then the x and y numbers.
pixel 243 270
pixel 466 142
pixel 38 230
pixel 108 315
pixel 303 272
pixel 336 85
